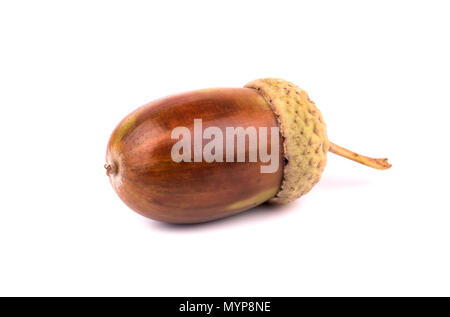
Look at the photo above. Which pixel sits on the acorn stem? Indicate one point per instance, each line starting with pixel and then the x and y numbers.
pixel 378 163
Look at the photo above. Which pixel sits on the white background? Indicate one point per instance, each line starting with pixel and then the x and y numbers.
pixel 378 70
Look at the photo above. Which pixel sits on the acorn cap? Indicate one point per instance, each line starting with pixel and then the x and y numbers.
pixel 304 135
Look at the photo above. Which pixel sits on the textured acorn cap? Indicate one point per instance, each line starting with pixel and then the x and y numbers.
pixel 305 140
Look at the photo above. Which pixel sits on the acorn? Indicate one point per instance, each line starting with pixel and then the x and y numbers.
pixel 208 154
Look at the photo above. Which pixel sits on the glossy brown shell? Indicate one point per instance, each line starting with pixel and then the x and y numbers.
pixel 146 178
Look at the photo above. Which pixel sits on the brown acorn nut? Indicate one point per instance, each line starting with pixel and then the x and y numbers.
pixel 142 170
